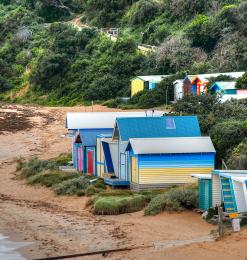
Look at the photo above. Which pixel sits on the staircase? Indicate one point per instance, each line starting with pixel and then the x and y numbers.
pixel 228 195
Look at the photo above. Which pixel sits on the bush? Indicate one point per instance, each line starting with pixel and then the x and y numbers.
pixel 227 134
pixel 50 178
pixel 114 205
pixel 71 187
pixel 63 159
pixel 238 157
pixel 145 11
pixel 174 200
pixel 91 190
pixel 20 164
pixel 35 166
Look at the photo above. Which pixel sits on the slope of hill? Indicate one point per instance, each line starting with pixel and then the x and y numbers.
pixel 44 59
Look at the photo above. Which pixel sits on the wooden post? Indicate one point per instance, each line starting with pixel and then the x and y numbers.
pixel 220 222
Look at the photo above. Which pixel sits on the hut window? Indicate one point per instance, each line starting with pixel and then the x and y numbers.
pixel 170 124
pixel 78 139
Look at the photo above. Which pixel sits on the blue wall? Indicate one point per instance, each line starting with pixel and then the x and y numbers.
pixel 193 160
pixel 88 136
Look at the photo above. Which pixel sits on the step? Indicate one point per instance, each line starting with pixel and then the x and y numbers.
pixel 228 196
pixel 230 209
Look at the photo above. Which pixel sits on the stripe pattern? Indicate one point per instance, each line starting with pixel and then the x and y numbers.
pixel 173 168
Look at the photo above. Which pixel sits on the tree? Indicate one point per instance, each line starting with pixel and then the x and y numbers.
pixel 176 54
pixel 50 69
pixel 145 11
pixel 242 82
pixel 238 157
pixel 227 134
pixel 184 9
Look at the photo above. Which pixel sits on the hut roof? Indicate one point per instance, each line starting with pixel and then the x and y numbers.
pixel 149 127
pixel 171 145
pixel 223 85
pixel 101 120
pixel 206 77
pixel 236 175
pixel 152 78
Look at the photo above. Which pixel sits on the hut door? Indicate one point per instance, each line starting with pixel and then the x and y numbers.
pixel 123 174
pixel 80 159
pixel 90 160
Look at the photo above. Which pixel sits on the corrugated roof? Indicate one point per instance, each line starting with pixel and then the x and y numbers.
pixel 152 78
pixel 224 85
pixel 240 176
pixel 202 176
pixel 172 145
pixel 235 172
pixel 145 127
pixel 94 120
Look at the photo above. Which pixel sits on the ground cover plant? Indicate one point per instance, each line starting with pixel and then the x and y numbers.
pixel 176 199
pixel 115 205
pixel 47 173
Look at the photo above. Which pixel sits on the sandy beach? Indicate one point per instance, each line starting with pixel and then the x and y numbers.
pixel 58 225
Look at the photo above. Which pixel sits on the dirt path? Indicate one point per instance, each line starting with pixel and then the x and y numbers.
pixel 60 225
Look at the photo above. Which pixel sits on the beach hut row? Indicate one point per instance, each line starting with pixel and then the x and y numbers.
pixel 140 150
pixel 193 84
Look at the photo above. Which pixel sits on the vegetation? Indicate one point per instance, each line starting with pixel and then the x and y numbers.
pixel 47 173
pixel 44 59
pixel 176 199
pixel 224 122
pixel 114 205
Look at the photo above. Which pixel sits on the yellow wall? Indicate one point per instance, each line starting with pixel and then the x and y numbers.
pixel 137 85
pixel 170 175
pixel 100 158
pixel 134 169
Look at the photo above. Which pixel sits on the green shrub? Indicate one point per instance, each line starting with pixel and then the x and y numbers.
pixel 211 213
pixel 20 164
pixel 72 186
pixel 100 184
pixel 109 193
pixel 174 200
pixel 63 159
pixel 91 190
pixel 36 166
pixel 114 205
pixel 50 178
pixel 80 193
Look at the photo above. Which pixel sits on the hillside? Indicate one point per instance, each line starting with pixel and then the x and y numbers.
pixel 45 59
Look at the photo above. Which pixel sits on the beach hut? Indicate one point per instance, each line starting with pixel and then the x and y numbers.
pixel 227 91
pixel 84 129
pixel 140 83
pixel 230 188
pixel 178 89
pixel 204 190
pixel 195 84
pixel 144 127
pixel 163 162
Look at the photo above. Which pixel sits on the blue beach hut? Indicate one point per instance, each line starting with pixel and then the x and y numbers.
pixel 144 127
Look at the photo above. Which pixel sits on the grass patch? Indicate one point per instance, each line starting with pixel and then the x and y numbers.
pixel 176 199
pixel 50 178
pixel 47 173
pixel 72 186
pixel 115 205
pixel 34 165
